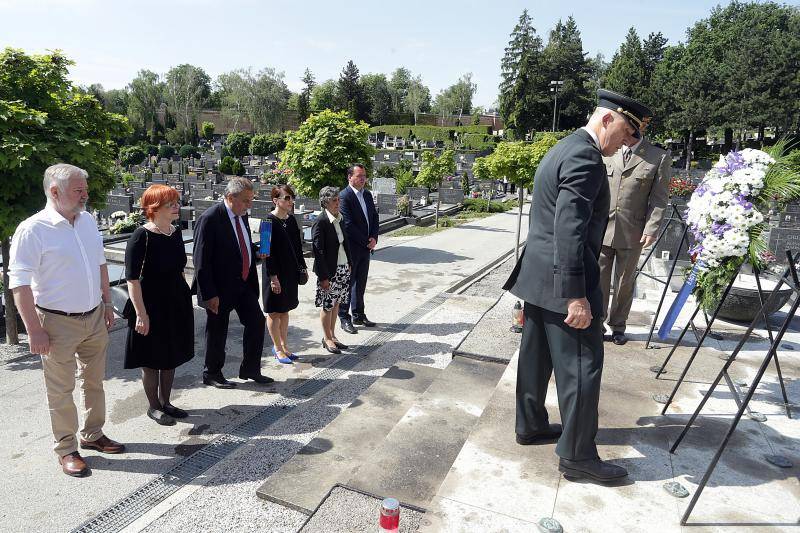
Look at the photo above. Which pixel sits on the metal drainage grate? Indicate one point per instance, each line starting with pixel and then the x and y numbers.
pixel 140 501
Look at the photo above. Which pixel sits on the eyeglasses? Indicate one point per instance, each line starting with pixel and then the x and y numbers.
pixel 173 205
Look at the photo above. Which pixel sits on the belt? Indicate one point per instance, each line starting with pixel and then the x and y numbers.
pixel 64 313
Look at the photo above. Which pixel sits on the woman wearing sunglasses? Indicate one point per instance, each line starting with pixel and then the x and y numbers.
pixel 284 270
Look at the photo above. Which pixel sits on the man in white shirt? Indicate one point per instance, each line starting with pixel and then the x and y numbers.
pixel 59 277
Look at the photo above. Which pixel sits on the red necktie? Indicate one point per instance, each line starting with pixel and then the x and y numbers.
pixel 242 249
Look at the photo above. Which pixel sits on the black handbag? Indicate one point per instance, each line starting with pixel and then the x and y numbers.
pixel 120 299
pixel 302 273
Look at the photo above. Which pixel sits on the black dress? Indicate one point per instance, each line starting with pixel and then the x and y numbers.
pixel 170 341
pixel 284 260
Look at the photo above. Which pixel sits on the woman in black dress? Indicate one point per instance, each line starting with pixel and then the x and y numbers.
pixel 161 321
pixel 283 268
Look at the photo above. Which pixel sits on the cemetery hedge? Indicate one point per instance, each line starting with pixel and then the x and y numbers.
pixel 131 155
pixel 165 151
pixel 187 150
pixel 238 144
pixel 430 133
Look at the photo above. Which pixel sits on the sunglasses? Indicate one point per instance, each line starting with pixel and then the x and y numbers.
pixel 288 198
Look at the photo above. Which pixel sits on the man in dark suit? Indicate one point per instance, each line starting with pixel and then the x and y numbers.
pixel 558 277
pixel 361 227
pixel 225 279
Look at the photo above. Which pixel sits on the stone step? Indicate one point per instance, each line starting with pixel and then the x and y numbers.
pixel 418 452
pixel 337 452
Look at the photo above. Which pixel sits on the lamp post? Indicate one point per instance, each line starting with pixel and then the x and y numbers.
pixel 555 87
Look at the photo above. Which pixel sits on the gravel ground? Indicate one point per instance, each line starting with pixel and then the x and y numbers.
pixel 351 511
pixel 490 286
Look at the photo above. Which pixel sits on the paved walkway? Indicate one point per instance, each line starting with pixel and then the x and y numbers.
pixel 405 274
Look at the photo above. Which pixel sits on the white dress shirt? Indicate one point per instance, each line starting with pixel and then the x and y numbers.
pixel 341 258
pixel 58 260
pixel 245 232
pixel 360 196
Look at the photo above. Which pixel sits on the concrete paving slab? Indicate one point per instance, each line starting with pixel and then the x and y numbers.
pixel 448 516
pixel 417 454
pixel 336 453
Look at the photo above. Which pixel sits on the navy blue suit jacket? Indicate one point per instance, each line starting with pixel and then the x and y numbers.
pixel 357 230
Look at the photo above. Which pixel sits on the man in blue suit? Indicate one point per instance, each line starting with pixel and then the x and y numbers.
pixel 361 228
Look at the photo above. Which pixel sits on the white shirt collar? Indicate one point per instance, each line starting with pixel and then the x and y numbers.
pixel 54 217
pixel 231 214
pixel 356 190
pixel 593 134
pixel 634 147
pixel 333 218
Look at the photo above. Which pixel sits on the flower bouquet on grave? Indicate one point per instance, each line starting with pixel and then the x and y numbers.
pixel 726 215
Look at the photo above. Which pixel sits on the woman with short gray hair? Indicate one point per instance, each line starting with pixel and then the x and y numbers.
pixel 331 265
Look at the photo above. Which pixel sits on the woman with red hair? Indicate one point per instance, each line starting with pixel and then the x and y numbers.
pixel 161 324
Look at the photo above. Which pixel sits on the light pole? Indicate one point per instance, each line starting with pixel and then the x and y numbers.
pixel 555 87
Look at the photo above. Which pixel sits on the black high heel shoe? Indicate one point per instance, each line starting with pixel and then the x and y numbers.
pixel 331 350
pixel 341 345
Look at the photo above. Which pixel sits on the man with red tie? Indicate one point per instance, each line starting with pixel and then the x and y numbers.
pixel 225 279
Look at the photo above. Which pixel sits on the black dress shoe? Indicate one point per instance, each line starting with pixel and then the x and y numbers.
pixel 363 321
pixel 548 435
pixel 258 378
pixel 618 338
pixel 341 345
pixel 161 418
pixel 218 381
pixel 175 412
pixel 348 326
pixel 595 469
pixel 332 350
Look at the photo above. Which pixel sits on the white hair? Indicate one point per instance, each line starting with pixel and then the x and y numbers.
pixel 237 185
pixel 59 175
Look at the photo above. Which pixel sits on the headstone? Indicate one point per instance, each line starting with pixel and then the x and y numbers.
pixel 415 194
pixel 201 205
pixel 137 192
pixel 261 209
pixel 219 189
pixel 782 239
pixel 451 196
pixel 790 217
pixel 486 186
pixel 674 232
pixel 117 202
pixel 384 185
pixel 387 204
pixel 447 184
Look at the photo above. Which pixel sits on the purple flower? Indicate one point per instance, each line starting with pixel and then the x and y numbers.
pixel 734 161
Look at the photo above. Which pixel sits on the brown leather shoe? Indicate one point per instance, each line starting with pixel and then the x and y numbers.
pixel 103 444
pixel 73 465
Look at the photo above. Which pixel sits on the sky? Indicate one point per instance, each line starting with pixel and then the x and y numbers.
pixel 111 40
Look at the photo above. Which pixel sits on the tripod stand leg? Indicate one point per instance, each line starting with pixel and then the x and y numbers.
pixel 677 343
pixel 699 344
pixel 775 354
pixel 738 416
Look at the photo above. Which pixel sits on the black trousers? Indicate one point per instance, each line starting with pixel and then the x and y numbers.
pixel 358 284
pixel 245 303
pixel 576 356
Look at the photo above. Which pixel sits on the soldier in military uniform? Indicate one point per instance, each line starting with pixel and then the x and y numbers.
pixel 639 179
pixel 558 277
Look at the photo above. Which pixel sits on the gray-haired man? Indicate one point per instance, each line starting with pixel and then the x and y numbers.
pixel 58 273
pixel 225 279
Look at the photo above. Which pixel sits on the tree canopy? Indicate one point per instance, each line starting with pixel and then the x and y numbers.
pixel 321 150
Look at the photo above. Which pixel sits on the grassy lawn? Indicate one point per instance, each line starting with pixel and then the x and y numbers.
pixel 459 218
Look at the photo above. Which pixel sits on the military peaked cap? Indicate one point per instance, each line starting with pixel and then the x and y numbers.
pixel 637 113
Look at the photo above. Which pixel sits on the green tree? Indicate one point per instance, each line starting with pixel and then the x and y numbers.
pixel 267 143
pixel 461 94
pixel 404 176
pixel 567 62
pixel 165 151
pixel 238 144
pixel 116 101
pixel 304 99
pixel 208 130
pixel 626 74
pixel 320 151
pixel 379 99
pixel 226 165
pixel 399 84
pixel 146 94
pixel 187 89
pixel 44 120
pixel 524 101
pixel 349 95
pixel 444 105
pixel 417 98
pixel 323 96
pixel 131 155
pixel 433 170
pixel 187 150
pixel 262 98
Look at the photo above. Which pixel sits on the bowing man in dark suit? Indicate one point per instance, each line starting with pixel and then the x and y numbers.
pixel 558 277
pixel 225 279
pixel 361 227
